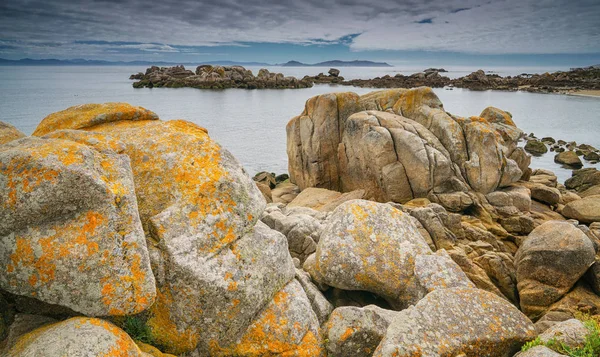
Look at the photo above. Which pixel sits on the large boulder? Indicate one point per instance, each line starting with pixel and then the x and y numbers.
pixel 585 210
pixel 215 267
pixel 88 115
pixel 329 147
pixel 9 133
pixel 69 212
pixel 356 331
pixel 448 322
pixel 78 336
pixel 549 262
pixel 374 247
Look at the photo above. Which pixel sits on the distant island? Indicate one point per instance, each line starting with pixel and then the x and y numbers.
pixel 85 62
pixel 336 63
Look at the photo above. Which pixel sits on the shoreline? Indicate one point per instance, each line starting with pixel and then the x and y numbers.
pixel 585 93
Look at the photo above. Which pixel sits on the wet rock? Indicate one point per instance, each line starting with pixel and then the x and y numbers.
pixel 78 336
pixel 568 158
pixel 9 133
pixel 449 321
pixel 536 147
pixel 549 262
pixel 585 210
pixel 356 331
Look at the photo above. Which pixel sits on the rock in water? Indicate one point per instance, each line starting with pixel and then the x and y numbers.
pixel 550 261
pixel 568 158
pixel 69 212
pixel 536 147
pixel 9 133
pixel 334 72
pixel 585 210
pixel 374 247
pixel 448 322
pixel 78 336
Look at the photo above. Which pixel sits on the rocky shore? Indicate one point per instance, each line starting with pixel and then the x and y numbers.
pixel 401 230
pixel 584 80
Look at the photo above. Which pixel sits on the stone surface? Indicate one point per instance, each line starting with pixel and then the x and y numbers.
pixel 568 158
pixel 585 210
pixel 320 305
pixel 21 324
pixel 87 115
pixel 539 351
pixel 374 247
pixel 287 326
pixel 324 200
pixel 78 336
pixel 583 179
pixel 450 321
pixel 70 211
pixel 9 133
pixel 355 331
pixel 536 147
pixel 571 333
pixel 549 262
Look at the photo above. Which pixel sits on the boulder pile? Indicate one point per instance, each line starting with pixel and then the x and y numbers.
pixel 402 230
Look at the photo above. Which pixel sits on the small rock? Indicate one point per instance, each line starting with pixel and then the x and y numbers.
pixel 536 147
pixel 568 158
pixel 334 72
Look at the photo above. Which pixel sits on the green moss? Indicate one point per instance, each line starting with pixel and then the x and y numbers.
pixel 138 330
pixel 591 347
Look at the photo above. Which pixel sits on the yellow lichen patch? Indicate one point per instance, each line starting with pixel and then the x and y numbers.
pixel 87 115
pixel 151 350
pixel 164 331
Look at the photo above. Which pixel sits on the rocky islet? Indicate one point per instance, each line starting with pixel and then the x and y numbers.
pixel 401 230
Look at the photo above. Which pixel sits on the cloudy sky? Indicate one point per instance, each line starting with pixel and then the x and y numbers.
pixel 507 32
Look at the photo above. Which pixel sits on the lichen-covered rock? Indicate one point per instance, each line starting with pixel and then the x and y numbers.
pixel 585 210
pixel 21 324
pixel 356 331
pixel 9 133
pixel 287 326
pixel 549 262
pixel 68 212
pixel 448 322
pixel 568 158
pixel 374 247
pixel 78 336
pixel 536 147
pixel 583 179
pixel 571 333
pixel 539 351
pixel 88 115
pixel 384 154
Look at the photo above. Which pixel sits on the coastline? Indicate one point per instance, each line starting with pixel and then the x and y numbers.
pixel 585 93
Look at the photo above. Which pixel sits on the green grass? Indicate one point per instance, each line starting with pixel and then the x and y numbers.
pixel 137 329
pixel 591 347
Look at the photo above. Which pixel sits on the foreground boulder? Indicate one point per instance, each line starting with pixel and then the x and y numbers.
pixel 549 262
pixel 344 142
pixel 78 336
pixel 374 247
pixel 68 212
pixel 448 322
pixel 9 133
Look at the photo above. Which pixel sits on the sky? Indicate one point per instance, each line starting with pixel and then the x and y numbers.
pixel 452 32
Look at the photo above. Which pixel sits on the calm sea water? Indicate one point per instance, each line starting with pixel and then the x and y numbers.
pixel 251 123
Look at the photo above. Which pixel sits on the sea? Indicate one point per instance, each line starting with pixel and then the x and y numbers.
pixel 251 123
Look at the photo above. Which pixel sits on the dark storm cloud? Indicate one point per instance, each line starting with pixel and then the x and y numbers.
pixel 503 26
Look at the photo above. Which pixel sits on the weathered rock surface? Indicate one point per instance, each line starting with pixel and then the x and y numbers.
pixel 68 212
pixel 322 199
pixel 78 336
pixel 539 351
pixel 9 133
pixel 570 333
pixel 568 158
pixel 583 179
pixel 536 147
pixel 448 322
pixel 375 247
pixel 418 151
pixel 356 331
pixel 585 210
pixel 549 262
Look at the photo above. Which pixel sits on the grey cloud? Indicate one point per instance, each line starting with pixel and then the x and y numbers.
pixel 515 26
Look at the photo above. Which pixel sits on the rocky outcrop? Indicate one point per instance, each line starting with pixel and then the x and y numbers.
pixel 9 133
pixel 549 262
pixel 215 77
pixel 448 322
pixel 413 150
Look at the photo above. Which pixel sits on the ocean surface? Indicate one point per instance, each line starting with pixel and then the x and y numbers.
pixel 251 123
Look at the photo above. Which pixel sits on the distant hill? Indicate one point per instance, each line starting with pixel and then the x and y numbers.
pixel 84 62
pixel 337 63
